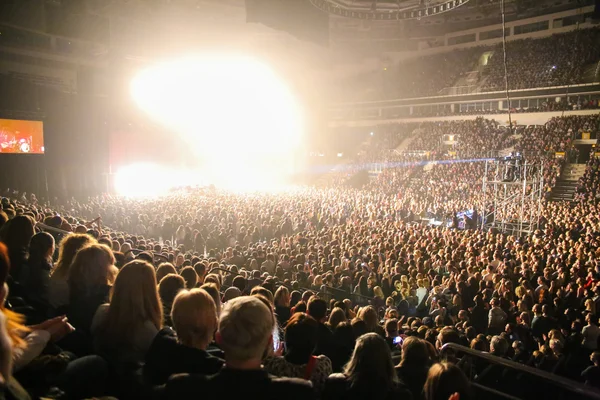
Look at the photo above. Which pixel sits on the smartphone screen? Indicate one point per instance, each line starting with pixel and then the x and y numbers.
pixel 398 340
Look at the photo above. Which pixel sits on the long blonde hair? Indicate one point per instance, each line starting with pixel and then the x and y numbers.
pixel 134 301
pixel 68 247
pixel 92 267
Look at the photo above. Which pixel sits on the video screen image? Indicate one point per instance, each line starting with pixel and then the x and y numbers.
pixel 20 136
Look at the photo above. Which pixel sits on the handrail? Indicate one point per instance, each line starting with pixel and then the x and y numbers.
pixel 558 380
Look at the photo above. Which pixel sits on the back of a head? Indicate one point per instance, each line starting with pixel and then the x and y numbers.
pixel 498 346
pixel 164 269
pixel 245 329
pixel 317 308
pixel 414 352
pixel 369 315
pixel 190 276
pixel 445 379
pixel 67 249
pixel 91 268
pixel 266 293
pixel 213 291
pixel 169 286
pixel 194 316
pixel 371 364
pixel 135 288
pixel 39 246
pixel 301 334
pixel 17 233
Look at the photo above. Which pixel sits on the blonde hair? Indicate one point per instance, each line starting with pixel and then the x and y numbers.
pixel 134 301
pixel 194 316
pixel 67 249
pixel 91 267
pixel 378 292
pixel 282 297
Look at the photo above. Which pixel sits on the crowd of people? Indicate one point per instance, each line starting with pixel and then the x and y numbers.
pixel 556 60
pixel 332 293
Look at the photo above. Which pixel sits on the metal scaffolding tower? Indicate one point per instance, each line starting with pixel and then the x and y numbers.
pixel 513 191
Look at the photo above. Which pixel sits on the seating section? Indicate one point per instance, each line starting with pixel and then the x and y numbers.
pixel 555 60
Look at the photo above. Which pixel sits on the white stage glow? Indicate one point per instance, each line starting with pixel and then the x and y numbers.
pixel 151 180
pixel 239 118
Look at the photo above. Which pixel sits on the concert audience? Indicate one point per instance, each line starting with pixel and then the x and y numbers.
pixel 344 272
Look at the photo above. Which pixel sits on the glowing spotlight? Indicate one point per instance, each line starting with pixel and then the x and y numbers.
pixel 238 117
pixel 151 180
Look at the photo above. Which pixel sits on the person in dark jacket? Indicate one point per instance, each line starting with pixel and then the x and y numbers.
pixel 479 315
pixel 194 317
pixel 317 308
pixel 245 334
pixel 16 235
pixel 35 276
pixel 90 278
pixel 369 374
pixel 414 366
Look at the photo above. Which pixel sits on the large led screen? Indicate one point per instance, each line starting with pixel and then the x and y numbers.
pixel 20 136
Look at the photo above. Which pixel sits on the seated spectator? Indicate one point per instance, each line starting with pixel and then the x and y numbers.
pixel 369 374
pixel 35 276
pixel 591 374
pixel 168 288
pixel 164 269
pixel 298 362
pixel 58 290
pixel 317 308
pixel 414 365
pixel 282 305
pixel 90 278
pixel 184 350
pixel 190 276
pixel 446 381
pixel 344 341
pixel 125 328
pixel 16 234
pixel 245 334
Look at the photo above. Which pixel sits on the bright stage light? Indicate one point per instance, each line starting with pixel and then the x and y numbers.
pixel 238 117
pixel 151 180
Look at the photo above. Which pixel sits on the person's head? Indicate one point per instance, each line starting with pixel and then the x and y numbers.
pixel 134 301
pixel 369 315
pixel 168 288
pixel 67 248
pixel 414 352
pixel 245 330
pixel 301 337
pixel 266 293
pixel 212 289
pixel 447 335
pixel 371 364
pixel 194 316
pixel 317 308
pixel 391 327
pixel 190 277
pixel 498 346
pixel 41 247
pixel 92 268
pixel 164 269
pixel 595 358
pixel 231 293
pixel 337 315
pixel 17 233
pixel 282 297
pixel 444 380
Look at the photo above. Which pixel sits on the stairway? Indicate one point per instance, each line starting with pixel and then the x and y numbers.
pixel 567 183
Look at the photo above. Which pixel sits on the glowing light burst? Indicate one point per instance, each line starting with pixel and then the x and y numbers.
pixel 238 117
pixel 151 180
